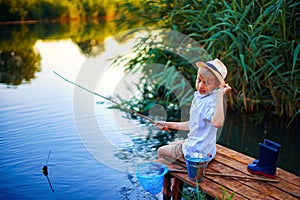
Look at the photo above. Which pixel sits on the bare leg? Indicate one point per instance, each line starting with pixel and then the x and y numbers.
pixel 173 150
pixel 166 151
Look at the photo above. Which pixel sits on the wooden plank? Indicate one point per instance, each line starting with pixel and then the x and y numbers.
pixel 283 187
pixel 281 190
pixel 208 186
pixel 265 188
pixel 211 186
pixel 241 177
pixel 281 174
pixel 234 154
pixel 242 191
pixel 237 185
pixel 228 161
pixel 240 188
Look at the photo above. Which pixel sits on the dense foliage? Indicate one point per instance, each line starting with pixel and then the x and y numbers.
pixel 257 40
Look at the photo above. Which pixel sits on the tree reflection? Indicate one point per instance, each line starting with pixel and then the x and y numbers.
pixel 19 61
pixel 89 35
pixel 18 67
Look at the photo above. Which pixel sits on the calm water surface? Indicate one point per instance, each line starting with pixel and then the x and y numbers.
pixel 39 116
pixel 94 149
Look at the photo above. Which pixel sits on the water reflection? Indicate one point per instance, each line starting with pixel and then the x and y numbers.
pixel 18 66
pixel 39 117
pixel 19 61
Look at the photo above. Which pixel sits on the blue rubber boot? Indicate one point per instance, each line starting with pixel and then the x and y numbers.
pixel 269 143
pixel 267 162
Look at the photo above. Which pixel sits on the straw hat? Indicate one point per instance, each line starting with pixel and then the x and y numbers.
pixel 217 68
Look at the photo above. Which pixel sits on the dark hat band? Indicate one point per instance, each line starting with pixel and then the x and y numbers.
pixel 214 68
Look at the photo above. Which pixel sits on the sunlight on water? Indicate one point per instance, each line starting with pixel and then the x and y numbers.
pixel 38 117
pixel 63 56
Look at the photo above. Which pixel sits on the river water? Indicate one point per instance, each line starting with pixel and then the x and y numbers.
pixel 39 116
pixel 95 149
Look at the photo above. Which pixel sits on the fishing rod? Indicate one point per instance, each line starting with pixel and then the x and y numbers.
pixel 228 175
pixel 109 99
pixel 184 170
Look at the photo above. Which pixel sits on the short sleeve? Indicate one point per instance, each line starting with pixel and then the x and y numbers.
pixel 209 112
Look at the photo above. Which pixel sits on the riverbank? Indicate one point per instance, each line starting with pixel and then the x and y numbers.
pixel 56 20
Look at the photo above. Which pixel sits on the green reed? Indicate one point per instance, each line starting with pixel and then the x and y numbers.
pixel 200 195
pixel 257 40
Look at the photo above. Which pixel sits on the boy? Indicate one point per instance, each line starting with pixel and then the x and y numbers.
pixel 206 114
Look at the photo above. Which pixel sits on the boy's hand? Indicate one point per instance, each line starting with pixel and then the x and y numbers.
pixel 226 88
pixel 161 125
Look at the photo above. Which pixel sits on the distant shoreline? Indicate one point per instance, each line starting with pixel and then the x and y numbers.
pixel 35 21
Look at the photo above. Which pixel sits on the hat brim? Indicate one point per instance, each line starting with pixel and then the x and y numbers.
pixel 219 77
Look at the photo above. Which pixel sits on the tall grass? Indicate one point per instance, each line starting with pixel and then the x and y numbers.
pixel 257 40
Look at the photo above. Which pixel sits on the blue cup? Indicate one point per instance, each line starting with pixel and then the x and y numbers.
pixel 196 164
pixel 151 176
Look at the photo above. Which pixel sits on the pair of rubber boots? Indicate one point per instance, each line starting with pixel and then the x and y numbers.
pixel 267 163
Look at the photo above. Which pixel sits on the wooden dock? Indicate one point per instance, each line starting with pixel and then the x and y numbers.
pixel 231 162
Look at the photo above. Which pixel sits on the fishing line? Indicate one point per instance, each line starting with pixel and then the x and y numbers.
pixel 45 171
pixel 109 99
pixel 48 157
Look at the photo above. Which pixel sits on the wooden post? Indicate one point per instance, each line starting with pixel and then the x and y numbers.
pixel 177 186
pixel 167 193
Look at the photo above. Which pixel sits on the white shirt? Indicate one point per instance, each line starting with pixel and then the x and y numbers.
pixel 202 134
